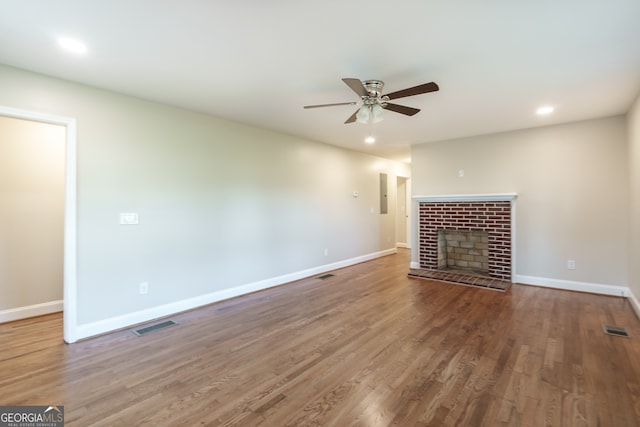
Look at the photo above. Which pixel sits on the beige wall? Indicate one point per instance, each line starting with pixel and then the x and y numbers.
pixel 572 186
pixel 634 198
pixel 220 204
pixel 32 162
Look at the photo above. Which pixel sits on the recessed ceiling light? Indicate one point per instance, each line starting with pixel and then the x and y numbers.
pixel 544 110
pixel 369 140
pixel 72 45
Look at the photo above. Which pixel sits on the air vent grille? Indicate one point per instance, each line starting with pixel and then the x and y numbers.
pixel 616 330
pixel 147 329
pixel 326 276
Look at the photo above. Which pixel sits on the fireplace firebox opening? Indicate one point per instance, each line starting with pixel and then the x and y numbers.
pixel 464 250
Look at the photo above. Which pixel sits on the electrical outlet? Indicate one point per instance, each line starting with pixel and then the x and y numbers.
pixel 571 264
pixel 144 288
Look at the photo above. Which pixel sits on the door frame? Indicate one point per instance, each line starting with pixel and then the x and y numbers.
pixel 70 209
pixel 401 215
pixel 407 211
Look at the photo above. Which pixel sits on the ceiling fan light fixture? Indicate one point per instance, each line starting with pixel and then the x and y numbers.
pixel 372 101
pixel 363 114
pixel 370 139
pixel 376 113
pixel 369 113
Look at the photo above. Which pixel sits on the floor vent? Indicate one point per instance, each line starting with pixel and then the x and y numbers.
pixel 616 330
pixel 326 276
pixel 147 329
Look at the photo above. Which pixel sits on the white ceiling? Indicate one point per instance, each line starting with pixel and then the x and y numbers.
pixel 259 61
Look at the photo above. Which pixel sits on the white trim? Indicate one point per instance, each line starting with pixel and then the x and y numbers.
pixel 492 197
pixel 130 319
pixel 12 314
pixel 570 285
pixel 409 212
pixel 414 264
pixel 513 240
pixel 70 247
pixel 635 304
pixel 401 245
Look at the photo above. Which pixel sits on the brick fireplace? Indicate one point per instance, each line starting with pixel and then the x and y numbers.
pixel 492 214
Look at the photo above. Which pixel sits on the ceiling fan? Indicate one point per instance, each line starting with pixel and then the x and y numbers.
pixel 372 101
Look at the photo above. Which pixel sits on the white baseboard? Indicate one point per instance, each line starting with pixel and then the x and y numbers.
pixel 635 304
pixel 130 319
pixel 569 285
pixel 414 264
pixel 12 314
pixel 402 245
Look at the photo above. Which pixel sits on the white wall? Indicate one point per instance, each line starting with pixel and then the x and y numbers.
pixel 31 213
pixel 221 204
pixel 634 200
pixel 572 186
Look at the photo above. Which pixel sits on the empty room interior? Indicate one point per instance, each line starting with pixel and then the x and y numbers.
pixel 291 214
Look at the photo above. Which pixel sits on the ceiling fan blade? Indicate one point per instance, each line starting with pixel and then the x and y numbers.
pixel 330 105
pixel 352 118
pixel 409 111
pixel 356 86
pixel 416 90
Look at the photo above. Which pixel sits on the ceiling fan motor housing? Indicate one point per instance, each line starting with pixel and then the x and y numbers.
pixel 374 87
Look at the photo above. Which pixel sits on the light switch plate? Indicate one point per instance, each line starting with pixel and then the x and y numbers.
pixel 128 218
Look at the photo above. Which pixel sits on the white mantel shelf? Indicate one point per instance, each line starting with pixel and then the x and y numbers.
pixel 495 197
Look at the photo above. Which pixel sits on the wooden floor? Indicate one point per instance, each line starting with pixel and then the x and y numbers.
pixel 368 347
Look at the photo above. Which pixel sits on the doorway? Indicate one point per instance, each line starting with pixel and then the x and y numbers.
pixel 30 201
pixel 403 211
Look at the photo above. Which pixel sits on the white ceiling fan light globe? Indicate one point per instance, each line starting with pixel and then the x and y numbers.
pixel 376 113
pixel 362 116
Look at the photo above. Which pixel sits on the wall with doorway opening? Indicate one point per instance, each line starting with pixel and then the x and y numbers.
pixel 32 180
pixel 224 208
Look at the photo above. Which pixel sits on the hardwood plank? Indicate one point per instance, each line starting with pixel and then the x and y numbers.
pixel 368 347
